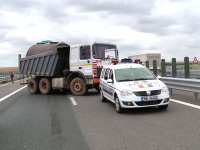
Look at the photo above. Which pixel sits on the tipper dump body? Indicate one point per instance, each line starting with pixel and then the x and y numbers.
pixel 45 60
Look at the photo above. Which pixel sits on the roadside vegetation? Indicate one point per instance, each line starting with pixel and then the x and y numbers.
pixel 9 81
pixel 8 69
pixel 181 65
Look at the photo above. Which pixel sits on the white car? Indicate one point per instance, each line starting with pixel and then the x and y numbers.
pixel 132 85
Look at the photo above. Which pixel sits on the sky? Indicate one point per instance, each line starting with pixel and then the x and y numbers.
pixel 169 27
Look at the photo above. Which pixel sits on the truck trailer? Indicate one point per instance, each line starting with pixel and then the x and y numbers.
pixel 55 65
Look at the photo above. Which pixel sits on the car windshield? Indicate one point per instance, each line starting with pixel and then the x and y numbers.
pixel 104 51
pixel 133 74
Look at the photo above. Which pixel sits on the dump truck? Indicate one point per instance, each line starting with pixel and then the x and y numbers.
pixel 57 65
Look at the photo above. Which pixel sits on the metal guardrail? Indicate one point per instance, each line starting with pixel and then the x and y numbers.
pixel 191 85
pixel 8 78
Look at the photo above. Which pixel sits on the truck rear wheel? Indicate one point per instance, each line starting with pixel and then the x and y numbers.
pixel 33 86
pixel 45 86
pixel 78 87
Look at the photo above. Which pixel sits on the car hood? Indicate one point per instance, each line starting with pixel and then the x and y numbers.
pixel 141 85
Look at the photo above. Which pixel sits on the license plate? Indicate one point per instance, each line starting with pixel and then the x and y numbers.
pixel 149 98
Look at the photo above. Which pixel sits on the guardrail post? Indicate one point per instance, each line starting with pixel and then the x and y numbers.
pixel 147 64
pixel 174 73
pixel 187 67
pixel 155 67
pixel 195 96
pixel 19 57
pixel 163 69
pixel 170 91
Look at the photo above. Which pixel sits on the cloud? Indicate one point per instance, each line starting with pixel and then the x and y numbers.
pixel 136 26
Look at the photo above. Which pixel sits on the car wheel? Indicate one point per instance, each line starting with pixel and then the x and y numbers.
pixel 163 107
pixel 103 99
pixel 118 107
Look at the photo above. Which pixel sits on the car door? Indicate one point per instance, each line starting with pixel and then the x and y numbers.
pixel 103 81
pixel 106 87
pixel 110 86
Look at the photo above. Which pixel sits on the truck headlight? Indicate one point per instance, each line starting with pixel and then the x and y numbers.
pixel 165 90
pixel 127 92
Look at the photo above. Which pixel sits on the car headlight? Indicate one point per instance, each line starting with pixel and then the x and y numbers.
pixel 165 90
pixel 127 92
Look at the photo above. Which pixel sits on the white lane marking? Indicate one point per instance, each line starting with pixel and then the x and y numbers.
pixel 73 101
pixel 8 84
pixel 184 103
pixel 12 93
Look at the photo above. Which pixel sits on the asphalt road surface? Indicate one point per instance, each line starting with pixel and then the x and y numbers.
pixel 53 122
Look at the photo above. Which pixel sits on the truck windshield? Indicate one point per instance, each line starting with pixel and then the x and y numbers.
pixel 104 51
pixel 133 74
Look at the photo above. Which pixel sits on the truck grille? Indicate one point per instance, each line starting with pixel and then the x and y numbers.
pixel 143 93
pixel 148 103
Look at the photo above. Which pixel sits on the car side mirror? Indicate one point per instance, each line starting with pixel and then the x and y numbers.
pixel 159 77
pixel 109 81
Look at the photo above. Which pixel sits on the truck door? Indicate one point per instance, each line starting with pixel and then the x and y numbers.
pixel 74 58
pixel 85 64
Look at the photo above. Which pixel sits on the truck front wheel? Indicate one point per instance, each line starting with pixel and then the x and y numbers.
pixel 78 87
pixel 45 86
pixel 33 86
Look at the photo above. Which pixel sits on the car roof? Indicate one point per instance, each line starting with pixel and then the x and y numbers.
pixel 124 65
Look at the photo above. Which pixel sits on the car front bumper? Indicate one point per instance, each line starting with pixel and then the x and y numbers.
pixel 136 101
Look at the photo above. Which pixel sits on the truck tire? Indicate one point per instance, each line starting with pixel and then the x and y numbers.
pixel 45 86
pixel 78 87
pixel 33 86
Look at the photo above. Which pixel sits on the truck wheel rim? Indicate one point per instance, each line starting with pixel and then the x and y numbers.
pixel 44 86
pixel 78 87
pixel 32 86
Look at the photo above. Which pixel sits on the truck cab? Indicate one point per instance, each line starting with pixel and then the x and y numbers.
pixel 89 58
